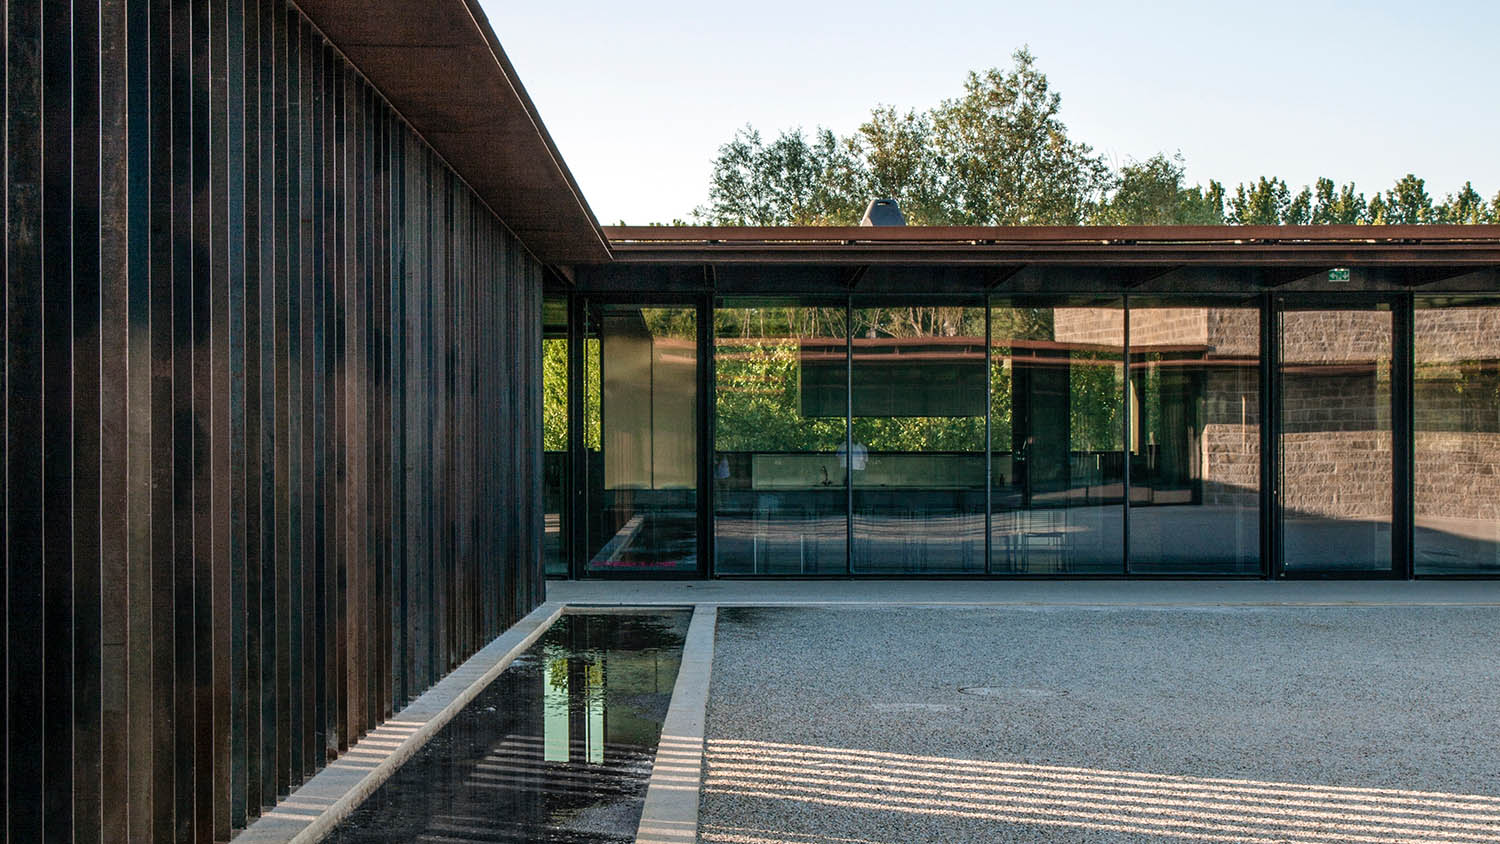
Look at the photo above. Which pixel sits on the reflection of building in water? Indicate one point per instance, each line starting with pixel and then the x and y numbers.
pixel 573 705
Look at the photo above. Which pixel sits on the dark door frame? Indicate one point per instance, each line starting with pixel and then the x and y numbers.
pixel 1402 452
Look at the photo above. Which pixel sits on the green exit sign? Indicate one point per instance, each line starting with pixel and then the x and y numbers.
pixel 1338 274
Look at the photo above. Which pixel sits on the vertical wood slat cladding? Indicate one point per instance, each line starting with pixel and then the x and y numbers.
pixel 270 409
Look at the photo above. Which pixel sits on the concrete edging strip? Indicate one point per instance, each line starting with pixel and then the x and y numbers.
pixel 670 815
pixel 308 813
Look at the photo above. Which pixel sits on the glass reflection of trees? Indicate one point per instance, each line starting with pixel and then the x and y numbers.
pixel 918 431
pixel 780 501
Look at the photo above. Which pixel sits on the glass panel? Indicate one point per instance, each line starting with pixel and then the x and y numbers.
pixel 554 453
pixel 1336 440
pixel 643 470
pixel 780 500
pixel 555 481
pixel 1057 431
pixel 1195 440
pixel 1457 408
pixel 917 459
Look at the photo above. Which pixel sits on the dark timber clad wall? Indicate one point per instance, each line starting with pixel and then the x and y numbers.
pixel 270 400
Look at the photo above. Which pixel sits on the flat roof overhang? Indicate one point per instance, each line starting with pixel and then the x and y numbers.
pixel 1069 260
pixel 1435 245
pixel 441 67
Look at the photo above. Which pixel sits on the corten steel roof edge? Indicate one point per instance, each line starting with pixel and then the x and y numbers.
pixel 1439 245
pixel 441 67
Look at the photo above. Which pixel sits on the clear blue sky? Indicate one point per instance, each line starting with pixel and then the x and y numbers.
pixel 639 95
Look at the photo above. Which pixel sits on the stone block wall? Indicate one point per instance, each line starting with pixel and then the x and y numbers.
pixel 1458 475
pixel 1336 404
pixel 1089 326
pixel 1231 438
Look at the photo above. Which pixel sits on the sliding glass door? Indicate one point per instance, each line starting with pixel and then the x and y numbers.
pixel 1336 442
pixel 916 455
pixel 1057 438
pixel 641 473
pixel 1194 437
pixel 1457 437
pixel 779 473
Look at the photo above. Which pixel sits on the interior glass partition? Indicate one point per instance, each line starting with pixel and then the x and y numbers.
pixel 641 369
pixel 1194 438
pixel 1456 407
pixel 1057 438
pixel 555 481
pixel 780 400
pixel 1336 439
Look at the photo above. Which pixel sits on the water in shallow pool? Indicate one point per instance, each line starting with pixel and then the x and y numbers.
pixel 558 748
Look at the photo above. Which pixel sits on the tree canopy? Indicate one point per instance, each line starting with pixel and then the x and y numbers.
pixel 1000 154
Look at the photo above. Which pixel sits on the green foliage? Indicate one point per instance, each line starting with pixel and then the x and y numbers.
pixel 1152 193
pixel 1345 208
pixel 757 405
pixel 900 162
pixel 1094 412
pixel 1262 203
pixel 787 182
pixel 1408 203
pixel 1000 154
pixel 555 395
pixel 1008 157
pixel 1467 207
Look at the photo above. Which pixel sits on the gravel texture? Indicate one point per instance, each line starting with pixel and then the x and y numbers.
pixel 1253 724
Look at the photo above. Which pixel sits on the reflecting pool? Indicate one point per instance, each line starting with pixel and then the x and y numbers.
pixel 558 748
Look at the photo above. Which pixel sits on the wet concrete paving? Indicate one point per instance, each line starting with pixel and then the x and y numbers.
pixel 558 748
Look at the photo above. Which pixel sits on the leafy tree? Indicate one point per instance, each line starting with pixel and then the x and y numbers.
pixel 786 182
pixel 1299 210
pixel 1264 203
pixel 998 155
pixel 1344 207
pixel 1202 206
pixel 1466 207
pixel 1001 155
pixel 1008 155
pixel 555 395
pixel 1151 193
pixel 901 163
pixel 1408 203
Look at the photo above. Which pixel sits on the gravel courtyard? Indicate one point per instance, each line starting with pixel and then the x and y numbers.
pixel 1116 724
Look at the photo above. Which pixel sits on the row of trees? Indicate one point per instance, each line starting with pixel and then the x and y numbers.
pixel 1000 155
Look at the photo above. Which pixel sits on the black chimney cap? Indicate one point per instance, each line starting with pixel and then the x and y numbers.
pixel 883 212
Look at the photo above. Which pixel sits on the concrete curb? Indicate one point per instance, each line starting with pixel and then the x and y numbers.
pixel 308 813
pixel 1170 594
pixel 670 815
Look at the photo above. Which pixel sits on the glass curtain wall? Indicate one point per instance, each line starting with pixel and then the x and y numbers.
pixel 1057 438
pixel 1456 406
pixel 641 373
pixel 1194 439
pixel 917 453
pixel 555 481
pixel 781 401
pixel 1336 440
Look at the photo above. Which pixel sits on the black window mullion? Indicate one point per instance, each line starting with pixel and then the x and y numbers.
pixel 1403 437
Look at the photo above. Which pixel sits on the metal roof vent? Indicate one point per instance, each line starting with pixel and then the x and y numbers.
pixel 883 212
